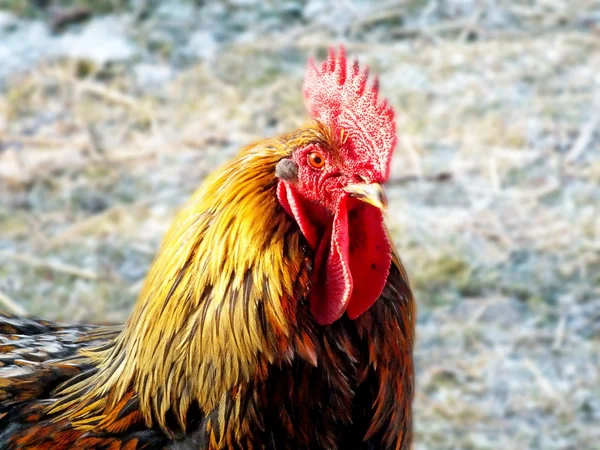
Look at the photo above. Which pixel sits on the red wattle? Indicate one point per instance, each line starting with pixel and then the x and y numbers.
pixel 352 255
pixel 370 257
pixel 332 281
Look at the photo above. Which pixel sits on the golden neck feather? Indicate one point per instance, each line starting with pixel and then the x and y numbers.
pixel 218 303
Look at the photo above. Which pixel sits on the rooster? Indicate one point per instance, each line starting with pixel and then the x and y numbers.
pixel 277 314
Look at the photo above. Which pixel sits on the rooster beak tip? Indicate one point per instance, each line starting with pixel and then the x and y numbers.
pixel 372 193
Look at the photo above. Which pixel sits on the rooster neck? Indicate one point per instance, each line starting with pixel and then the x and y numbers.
pixel 218 304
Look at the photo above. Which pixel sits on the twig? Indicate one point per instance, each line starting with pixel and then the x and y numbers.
pixel 559 337
pixel 38 141
pixel 541 380
pixel 494 177
pixel 585 136
pixel 110 95
pixel 66 16
pixel 11 305
pixel 479 312
pixel 50 265
pixel 378 16
pixel 450 26
pixel 126 156
pixel 441 177
pixel 531 193
pixel 82 226
pixel 414 155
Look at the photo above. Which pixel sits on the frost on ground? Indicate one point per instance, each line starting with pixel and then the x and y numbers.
pixel 494 197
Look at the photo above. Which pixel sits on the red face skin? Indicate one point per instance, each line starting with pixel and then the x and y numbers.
pixel 352 250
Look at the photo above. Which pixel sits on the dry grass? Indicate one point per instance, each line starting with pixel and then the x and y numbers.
pixel 494 198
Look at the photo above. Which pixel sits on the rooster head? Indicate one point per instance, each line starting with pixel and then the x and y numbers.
pixel 331 185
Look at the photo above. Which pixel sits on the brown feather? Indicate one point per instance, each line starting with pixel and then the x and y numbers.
pixel 221 350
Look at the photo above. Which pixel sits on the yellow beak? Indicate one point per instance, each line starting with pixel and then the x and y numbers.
pixel 373 194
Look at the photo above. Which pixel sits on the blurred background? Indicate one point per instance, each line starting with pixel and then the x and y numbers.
pixel 112 112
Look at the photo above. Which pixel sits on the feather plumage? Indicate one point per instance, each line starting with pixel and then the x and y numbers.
pixel 222 350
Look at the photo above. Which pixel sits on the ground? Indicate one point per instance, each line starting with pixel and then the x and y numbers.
pixel 107 126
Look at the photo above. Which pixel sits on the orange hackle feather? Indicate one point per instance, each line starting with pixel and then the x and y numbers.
pixel 221 350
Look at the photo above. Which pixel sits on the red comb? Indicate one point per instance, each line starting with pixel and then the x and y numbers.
pixel 340 97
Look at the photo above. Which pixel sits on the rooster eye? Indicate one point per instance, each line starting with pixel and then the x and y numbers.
pixel 316 160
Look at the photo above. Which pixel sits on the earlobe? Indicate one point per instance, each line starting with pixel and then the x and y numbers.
pixel 287 170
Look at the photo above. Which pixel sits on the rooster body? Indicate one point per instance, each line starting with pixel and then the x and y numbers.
pixel 277 314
